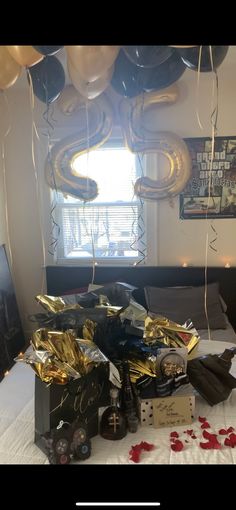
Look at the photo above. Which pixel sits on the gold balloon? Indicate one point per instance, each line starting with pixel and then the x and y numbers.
pixel 26 56
pixel 88 89
pixel 140 139
pixel 9 69
pixel 58 169
pixel 70 100
pixel 92 62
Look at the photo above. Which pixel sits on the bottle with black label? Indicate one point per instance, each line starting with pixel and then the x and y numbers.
pixel 113 422
pixel 128 401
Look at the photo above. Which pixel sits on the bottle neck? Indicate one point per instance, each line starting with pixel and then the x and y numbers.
pixel 113 401
pixel 126 375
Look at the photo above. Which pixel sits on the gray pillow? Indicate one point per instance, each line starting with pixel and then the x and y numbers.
pixel 182 303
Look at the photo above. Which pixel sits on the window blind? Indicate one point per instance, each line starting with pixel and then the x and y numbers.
pixel 107 227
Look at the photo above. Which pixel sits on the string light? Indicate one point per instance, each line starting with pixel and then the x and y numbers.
pixel 185 264
pixel 227 265
pixel 6 373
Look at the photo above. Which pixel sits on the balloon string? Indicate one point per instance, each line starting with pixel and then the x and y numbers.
pixel 214 129
pixel 139 242
pixel 34 131
pixel 198 87
pixel 93 262
pixel 55 227
pixel 4 179
pixel 93 209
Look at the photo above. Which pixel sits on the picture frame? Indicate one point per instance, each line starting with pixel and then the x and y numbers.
pixel 211 191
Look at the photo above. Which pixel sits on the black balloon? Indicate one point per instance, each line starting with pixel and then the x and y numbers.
pixel 147 56
pixel 190 57
pixel 130 80
pixel 126 77
pixel 165 74
pixel 48 79
pixel 47 50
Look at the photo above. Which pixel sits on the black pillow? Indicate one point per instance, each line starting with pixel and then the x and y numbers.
pixel 181 303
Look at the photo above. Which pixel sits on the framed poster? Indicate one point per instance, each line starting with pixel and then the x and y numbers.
pixel 11 333
pixel 210 193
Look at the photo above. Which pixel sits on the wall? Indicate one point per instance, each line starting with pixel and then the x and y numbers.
pixel 177 240
pixel 185 240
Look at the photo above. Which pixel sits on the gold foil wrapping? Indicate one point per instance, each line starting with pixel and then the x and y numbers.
pixel 169 333
pixel 89 329
pixel 62 345
pixel 139 367
pixel 54 304
pixel 48 369
pixel 59 356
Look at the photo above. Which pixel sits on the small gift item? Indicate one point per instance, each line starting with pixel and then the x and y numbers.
pixel 68 441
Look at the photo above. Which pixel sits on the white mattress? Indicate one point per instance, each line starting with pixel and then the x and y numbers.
pixel 17 427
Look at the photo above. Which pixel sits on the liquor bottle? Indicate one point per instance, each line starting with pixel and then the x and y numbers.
pixel 128 401
pixel 113 423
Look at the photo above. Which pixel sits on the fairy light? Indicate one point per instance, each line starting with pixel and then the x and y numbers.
pixel 185 264
pixel 6 373
pixel 227 265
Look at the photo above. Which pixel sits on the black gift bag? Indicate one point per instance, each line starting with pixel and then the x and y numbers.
pixel 79 398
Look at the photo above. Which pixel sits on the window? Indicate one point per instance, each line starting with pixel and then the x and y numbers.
pixel 110 227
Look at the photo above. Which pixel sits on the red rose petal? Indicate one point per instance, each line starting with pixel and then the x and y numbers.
pixel 223 432
pixel 211 445
pixel 177 446
pixel 136 448
pixel 174 434
pixel 230 441
pixel 230 429
pixel 189 432
pixel 233 438
pixel 227 442
pixel 147 446
pixel 211 437
pixel 193 436
pixel 201 419
pixel 205 425
pixel 135 456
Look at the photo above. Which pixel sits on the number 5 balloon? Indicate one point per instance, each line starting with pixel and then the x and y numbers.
pixel 58 169
pixel 140 139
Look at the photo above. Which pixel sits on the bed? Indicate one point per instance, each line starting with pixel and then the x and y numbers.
pixel 17 389
pixel 69 279
pixel 17 427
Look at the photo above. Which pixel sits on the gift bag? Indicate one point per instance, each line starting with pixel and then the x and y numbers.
pixel 79 398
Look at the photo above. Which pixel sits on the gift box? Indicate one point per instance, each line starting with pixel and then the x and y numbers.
pixel 79 398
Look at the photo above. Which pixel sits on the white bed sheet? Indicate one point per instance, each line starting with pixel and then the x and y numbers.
pixel 17 427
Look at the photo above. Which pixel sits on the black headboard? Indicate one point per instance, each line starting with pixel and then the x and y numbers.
pixel 61 279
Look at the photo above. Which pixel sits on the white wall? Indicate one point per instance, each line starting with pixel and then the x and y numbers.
pixel 185 240
pixel 177 240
